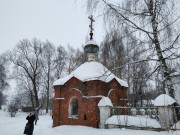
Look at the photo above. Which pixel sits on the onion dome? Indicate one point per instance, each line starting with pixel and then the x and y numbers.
pixel 91 48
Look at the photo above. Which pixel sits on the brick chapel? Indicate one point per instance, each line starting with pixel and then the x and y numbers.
pixel 78 94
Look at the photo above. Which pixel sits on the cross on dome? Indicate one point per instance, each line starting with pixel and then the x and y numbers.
pixel 91 48
pixel 91 26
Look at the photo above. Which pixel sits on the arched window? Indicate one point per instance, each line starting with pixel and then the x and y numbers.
pixel 73 107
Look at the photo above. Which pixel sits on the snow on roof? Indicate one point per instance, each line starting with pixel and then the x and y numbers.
pixel 90 42
pixel 91 71
pixel 163 100
pixel 63 80
pixel 105 101
pixel 133 121
pixel 152 102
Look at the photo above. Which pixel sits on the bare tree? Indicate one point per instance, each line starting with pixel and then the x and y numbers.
pixel 153 21
pixel 75 59
pixel 119 51
pixel 2 99
pixel 60 62
pixel 139 77
pixel 80 57
pixel 3 79
pixel 112 52
pixel 27 56
pixel 24 87
pixel 48 63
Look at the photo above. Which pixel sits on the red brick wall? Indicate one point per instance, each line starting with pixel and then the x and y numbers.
pixel 118 94
pixel 87 106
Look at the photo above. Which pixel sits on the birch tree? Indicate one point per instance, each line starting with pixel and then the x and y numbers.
pixel 153 21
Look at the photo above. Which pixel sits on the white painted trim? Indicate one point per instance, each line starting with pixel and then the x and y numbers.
pixel 59 98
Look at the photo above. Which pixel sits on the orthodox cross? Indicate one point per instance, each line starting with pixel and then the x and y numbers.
pixel 91 26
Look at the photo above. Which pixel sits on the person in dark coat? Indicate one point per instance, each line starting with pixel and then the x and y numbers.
pixel 30 124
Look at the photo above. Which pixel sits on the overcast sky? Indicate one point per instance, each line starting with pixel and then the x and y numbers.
pixel 60 21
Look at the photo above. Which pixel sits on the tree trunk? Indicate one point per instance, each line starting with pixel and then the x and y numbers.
pixel 35 93
pixel 161 59
pixel 48 85
pixel 32 99
pixel 47 99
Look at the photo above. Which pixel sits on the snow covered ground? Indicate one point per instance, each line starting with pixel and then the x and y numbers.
pixel 15 126
pixel 136 121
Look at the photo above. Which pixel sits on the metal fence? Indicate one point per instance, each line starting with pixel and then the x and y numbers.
pixel 139 118
pixel 152 112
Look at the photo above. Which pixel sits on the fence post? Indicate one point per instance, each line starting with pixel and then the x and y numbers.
pixel 104 105
pixel 166 114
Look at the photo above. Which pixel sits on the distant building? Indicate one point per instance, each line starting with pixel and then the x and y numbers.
pixel 78 94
